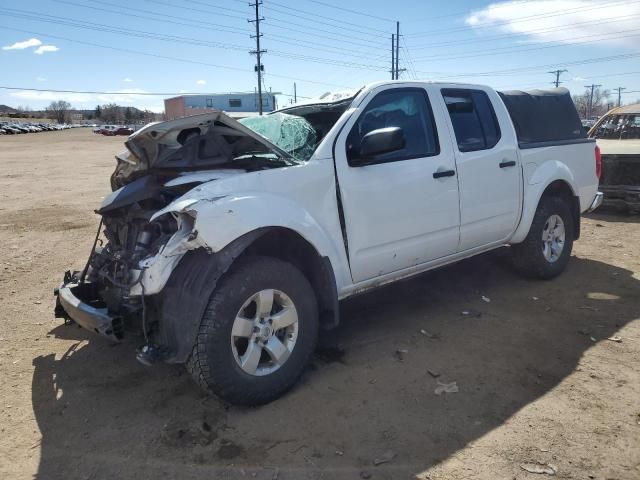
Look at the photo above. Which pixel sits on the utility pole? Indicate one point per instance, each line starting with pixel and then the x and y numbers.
pixel 557 74
pixel 619 89
pixel 259 68
pixel 397 49
pixel 592 87
pixel 393 56
pixel 398 69
pixel 295 93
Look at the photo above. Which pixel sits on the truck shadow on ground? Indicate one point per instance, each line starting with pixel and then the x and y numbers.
pixel 102 415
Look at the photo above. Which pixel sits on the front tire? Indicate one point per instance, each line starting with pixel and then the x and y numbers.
pixel 257 333
pixel 546 250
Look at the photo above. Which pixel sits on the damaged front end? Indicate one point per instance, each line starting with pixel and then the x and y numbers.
pixel 133 261
pixel 147 228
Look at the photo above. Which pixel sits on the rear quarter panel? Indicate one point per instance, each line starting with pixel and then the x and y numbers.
pixel 572 163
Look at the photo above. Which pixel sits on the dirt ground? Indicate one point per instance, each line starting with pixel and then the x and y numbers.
pixel 540 379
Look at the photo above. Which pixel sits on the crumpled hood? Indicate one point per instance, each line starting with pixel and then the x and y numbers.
pixel 191 143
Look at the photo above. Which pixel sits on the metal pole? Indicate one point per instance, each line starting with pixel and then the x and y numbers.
pixel 393 56
pixel 295 93
pixel 258 52
pixel 619 89
pixel 592 87
pixel 397 49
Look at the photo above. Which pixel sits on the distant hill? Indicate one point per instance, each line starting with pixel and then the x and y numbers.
pixel 6 109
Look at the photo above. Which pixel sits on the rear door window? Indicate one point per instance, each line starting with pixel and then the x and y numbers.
pixel 473 118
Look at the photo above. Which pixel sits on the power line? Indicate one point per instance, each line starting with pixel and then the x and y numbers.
pixel 100 92
pixel 171 19
pixel 187 40
pixel 521 19
pixel 305 28
pixel 539 46
pixel 523 34
pixel 315 20
pixel 355 12
pixel 166 57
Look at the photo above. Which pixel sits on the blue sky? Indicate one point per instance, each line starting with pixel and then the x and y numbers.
pixel 323 45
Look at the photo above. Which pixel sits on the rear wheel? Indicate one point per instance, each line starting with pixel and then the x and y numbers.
pixel 546 250
pixel 257 334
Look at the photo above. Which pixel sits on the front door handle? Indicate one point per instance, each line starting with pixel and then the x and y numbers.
pixel 507 163
pixel 444 173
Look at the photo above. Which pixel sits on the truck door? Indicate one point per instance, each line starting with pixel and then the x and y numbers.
pixel 489 172
pixel 400 207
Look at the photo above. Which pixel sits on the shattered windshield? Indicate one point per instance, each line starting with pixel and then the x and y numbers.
pixel 291 133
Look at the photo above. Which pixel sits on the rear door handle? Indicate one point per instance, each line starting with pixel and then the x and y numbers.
pixel 507 163
pixel 444 173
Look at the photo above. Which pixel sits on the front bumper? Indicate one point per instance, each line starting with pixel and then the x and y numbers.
pixel 597 201
pixel 79 302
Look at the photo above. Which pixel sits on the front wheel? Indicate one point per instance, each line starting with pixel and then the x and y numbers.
pixel 257 333
pixel 546 250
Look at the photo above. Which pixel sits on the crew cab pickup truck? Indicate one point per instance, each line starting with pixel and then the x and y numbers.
pixel 229 244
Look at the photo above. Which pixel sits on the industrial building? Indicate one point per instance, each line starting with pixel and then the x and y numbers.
pixel 237 105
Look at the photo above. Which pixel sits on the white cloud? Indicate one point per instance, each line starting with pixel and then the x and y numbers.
pixel 127 79
pixel 41 79
pixel 578 79
pixel 45 48
pixel 32 42
pixel 562 21
pixel 201 82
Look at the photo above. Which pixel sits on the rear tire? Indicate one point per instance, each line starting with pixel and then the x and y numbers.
pixel 257 333
pixel 546 250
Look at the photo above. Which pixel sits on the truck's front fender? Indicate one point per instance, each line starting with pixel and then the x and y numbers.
pixel 537 179
pixel 221 220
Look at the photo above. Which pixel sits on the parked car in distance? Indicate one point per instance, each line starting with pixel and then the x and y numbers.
pixel 230 243
pixel 123 131
pixel 618 137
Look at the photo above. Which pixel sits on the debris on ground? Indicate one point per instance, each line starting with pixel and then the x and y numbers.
pixel 386 457
pixel 400 353
pixel 471 313
pixel 433 373
pixel 364 474
pixel 540 468
pixel 535 298
pixel 486 299
pixel 446 388
pixel 428 334
pixel 615 338
pixel 340 453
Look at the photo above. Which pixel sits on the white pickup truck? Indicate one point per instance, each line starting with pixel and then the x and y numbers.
pixel 229 244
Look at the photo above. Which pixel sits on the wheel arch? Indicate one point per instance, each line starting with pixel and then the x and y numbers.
pixel 561 186
pixel 180 305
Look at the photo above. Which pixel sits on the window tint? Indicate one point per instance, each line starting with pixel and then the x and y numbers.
pixel 473 118
pixel 407 108
pixel 235 102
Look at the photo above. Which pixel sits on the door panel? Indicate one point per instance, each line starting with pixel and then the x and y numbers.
pixel 488 167
pixel 397 214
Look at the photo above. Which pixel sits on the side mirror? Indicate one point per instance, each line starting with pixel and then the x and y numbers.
pixel 377 142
